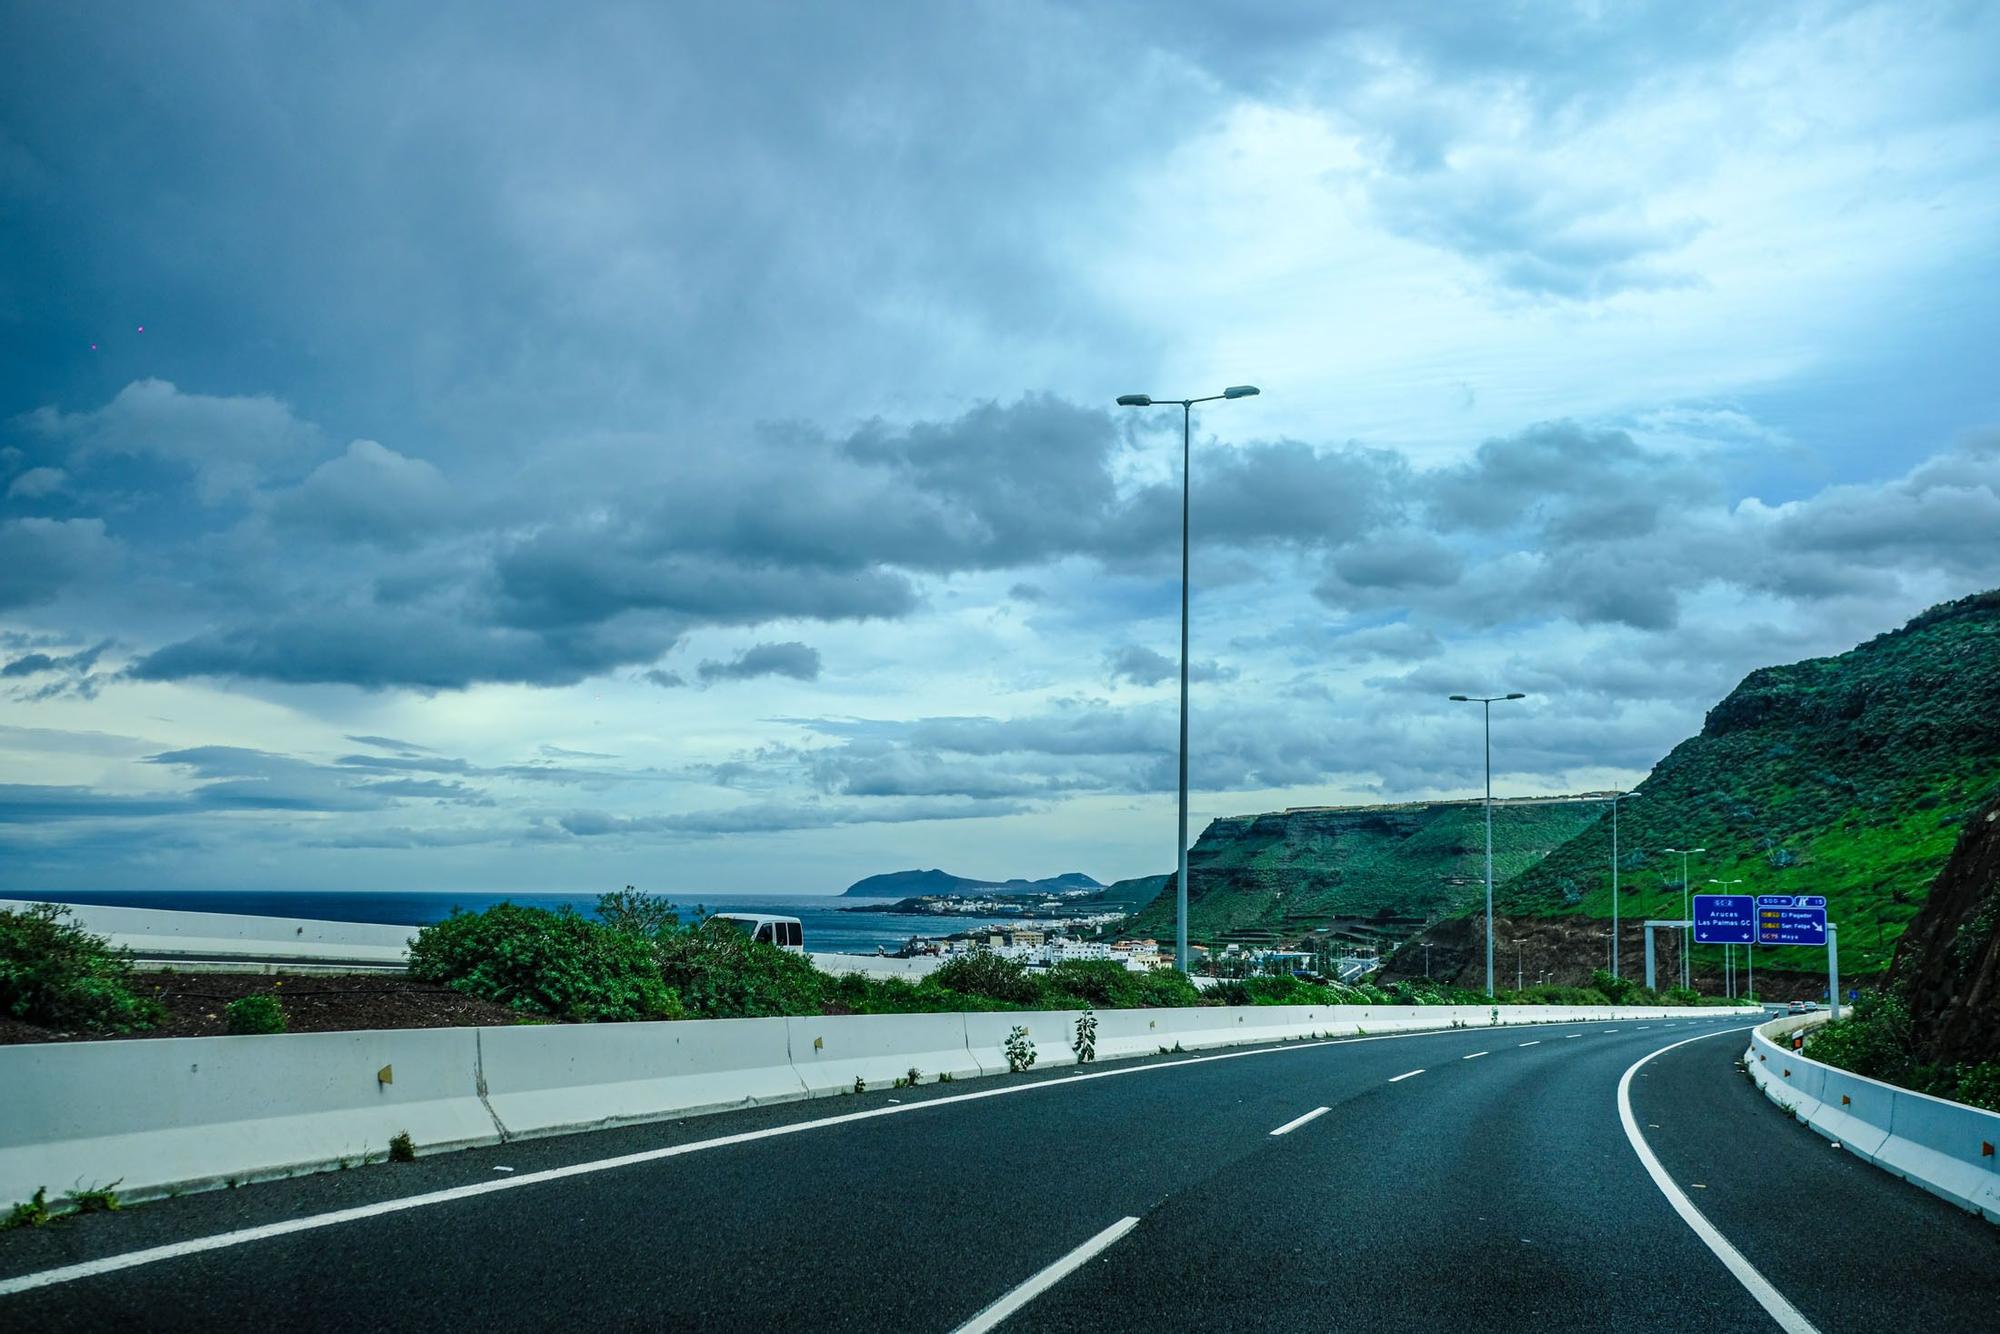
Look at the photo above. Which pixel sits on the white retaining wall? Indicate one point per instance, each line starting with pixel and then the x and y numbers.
pixel 157 935
pixel 1949 1149
pixel 165 1115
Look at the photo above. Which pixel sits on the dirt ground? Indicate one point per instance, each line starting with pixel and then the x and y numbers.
pixel 312 1004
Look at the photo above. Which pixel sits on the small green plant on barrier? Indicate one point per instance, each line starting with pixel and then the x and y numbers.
pixel 1085 1045
pixel 915 1077
pixel 1020 1050
pixel 255 1014
pixel 29 1213
pixel 402 1149
pixel 860 1084
pixel 97 1199
pixel 944 1077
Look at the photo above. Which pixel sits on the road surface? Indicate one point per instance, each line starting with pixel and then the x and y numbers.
pixel 1478 1179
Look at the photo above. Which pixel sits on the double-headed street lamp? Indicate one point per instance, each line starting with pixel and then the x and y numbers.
pixel 1687 928
pixel 1488 701
pixel 1180 846
pixel 1750 948
pixel 1616 797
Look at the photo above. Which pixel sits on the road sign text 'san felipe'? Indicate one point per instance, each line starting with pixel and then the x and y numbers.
pixel 1791 919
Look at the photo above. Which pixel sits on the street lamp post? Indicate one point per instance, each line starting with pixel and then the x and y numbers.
pixel 1616 797
pixel 1487 702
pixel 1687 930
pixel 1749 950
pixel 1180 846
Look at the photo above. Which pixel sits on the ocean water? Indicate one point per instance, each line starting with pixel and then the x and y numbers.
pixel 827 929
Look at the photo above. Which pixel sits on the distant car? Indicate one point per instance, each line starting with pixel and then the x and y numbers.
pixel 1797 1007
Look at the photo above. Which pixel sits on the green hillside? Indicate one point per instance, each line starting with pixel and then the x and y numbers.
pixel 1314 869
pixel 1845 776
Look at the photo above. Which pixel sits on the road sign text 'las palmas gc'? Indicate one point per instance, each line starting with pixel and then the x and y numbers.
pixel 1724 919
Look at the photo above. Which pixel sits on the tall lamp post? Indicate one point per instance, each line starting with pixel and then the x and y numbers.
pixel 1687 929
pixel 1180 845
pixel 1749 950
pixel 1616 797
pixel 1487 702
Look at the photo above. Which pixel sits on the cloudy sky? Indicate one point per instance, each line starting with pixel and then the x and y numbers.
pixel 469 446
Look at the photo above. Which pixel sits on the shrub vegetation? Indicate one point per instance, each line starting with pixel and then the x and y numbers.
pixel 54 973
pixel 1875 1040
pixel 255 1014
pixel 553 963
pixel 641 961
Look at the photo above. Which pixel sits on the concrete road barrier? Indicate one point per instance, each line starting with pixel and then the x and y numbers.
pixel 178 1114
pixel 190 1113
pixel 242 942
pixel 1945 1147
pixel 830 1052
pixel 542 1079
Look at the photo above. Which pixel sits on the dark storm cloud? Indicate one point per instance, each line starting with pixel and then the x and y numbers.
pixel 40 558
pixel 1092 746
pixel 782 817
pixel 798 661
pixel 1147 667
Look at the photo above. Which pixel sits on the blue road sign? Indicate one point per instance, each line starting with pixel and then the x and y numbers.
pixel 1724 919
pixel 1778 925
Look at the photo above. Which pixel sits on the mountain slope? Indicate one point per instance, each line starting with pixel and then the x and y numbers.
pixel 1845 776
pixel 1355 869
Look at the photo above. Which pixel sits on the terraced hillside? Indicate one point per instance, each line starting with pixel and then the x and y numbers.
pixel 1846 776
pixel 1359 871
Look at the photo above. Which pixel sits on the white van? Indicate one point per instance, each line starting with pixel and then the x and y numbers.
pixel 784 932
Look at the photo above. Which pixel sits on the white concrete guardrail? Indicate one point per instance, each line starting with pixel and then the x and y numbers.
pixel 240 942
pixel 1945 1147
pixel 167 1115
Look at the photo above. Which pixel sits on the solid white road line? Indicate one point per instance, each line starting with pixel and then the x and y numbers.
pixel 993 1316
pixel 1536 1043
pixel 1298 1121
pixel 1407 1074
pixel 174 1250
pixel 1470 1056
pixel 1788 1317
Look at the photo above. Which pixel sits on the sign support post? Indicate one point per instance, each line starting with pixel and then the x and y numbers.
pixel 1833 971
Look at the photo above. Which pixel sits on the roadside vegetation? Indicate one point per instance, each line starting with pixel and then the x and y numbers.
pixel 638 960
pixel 1876 1040
pixel 56 974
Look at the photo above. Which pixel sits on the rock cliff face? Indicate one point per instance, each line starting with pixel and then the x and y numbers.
pixel 1948 963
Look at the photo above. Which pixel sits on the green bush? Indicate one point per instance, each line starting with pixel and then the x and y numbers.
pixel 720 973
pixel 1979 1085
pixel 255 1014
pixel 637 914
pixel 983 974
pixel 1873 1040
pixel 54 973
pixel 543 962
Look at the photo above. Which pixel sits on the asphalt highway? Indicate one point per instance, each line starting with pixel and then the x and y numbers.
pixel 1477 1179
